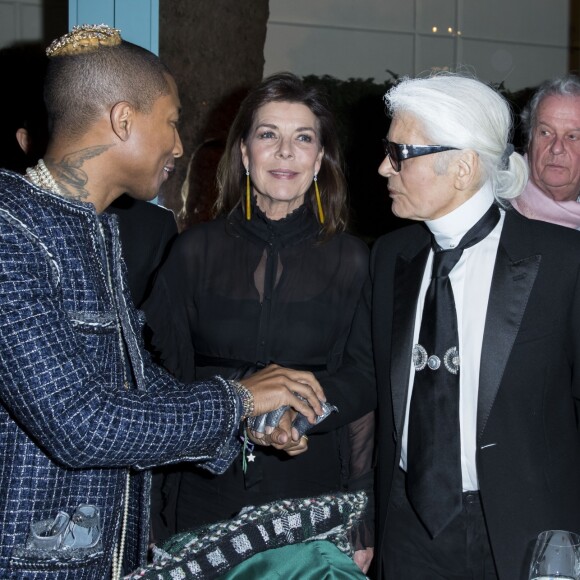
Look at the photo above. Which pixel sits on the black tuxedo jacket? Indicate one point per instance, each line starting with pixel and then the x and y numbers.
pixel 528 442
pixel 147 231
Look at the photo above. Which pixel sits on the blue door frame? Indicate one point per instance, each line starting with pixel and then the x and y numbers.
pixel 138 20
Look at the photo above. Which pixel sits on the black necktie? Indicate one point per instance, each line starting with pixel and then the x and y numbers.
pixel 434 483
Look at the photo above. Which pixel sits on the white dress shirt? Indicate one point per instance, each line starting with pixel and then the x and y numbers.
pixel 471 282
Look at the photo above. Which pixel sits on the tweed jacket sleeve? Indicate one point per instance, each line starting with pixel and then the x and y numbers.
pixel 68 370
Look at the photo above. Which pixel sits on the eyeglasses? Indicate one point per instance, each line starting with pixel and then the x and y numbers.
pixel 397 152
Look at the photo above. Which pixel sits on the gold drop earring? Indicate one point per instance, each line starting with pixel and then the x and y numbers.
pixel 318 201
pixel 248 196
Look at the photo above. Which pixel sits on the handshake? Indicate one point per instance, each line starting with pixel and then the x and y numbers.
pixel 267 421
pixel 287 404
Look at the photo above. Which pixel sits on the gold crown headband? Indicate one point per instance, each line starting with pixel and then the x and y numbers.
pixel 83 39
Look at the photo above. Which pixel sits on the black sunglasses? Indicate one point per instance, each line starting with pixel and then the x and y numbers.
pixel 397 152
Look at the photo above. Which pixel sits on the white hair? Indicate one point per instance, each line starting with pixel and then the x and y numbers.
pixel 566 86
pixel 462 112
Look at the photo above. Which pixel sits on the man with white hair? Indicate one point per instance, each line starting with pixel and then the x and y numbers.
pixel 552 124
pixel 476 337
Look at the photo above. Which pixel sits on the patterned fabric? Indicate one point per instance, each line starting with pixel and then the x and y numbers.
pixel 210 551
pixel 81 403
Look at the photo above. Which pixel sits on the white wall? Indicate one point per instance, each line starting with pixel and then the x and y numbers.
pixel 519 42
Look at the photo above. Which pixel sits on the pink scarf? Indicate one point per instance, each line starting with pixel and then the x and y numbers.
pixel 535 204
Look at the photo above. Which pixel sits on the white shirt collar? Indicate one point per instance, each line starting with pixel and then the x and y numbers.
pixel 449 229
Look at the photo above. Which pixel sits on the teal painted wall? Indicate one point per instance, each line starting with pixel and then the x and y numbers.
pixel 138 20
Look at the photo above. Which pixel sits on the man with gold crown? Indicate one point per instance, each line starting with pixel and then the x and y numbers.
pixel 83 410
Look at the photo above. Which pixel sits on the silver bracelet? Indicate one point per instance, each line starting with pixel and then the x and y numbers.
pixel 246 397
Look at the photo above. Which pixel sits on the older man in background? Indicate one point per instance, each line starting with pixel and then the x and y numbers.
pixel 552 124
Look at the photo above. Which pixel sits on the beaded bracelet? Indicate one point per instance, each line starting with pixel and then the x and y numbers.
pixel 246 397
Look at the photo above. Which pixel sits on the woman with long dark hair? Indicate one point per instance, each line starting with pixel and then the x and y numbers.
pixel 274 279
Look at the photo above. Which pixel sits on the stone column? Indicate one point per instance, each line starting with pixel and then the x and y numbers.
pixel 216 52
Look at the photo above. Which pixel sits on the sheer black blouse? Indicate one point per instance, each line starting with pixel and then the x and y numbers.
pixel 262 291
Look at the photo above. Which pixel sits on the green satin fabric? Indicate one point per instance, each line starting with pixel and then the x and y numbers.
pixel 319 560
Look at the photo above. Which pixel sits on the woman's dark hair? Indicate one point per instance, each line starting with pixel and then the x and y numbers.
pixel 231 174
pixel 25 65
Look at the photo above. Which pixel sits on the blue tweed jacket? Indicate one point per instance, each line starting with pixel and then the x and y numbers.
pixel 81 404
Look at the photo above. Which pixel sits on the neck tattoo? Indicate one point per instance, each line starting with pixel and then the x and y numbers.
pixel 41 176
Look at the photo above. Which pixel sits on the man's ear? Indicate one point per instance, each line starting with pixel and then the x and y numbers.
pixel 467 175
pixel 122 115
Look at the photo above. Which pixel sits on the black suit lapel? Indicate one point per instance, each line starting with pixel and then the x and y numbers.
pixel 515 272
pixel 408 276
